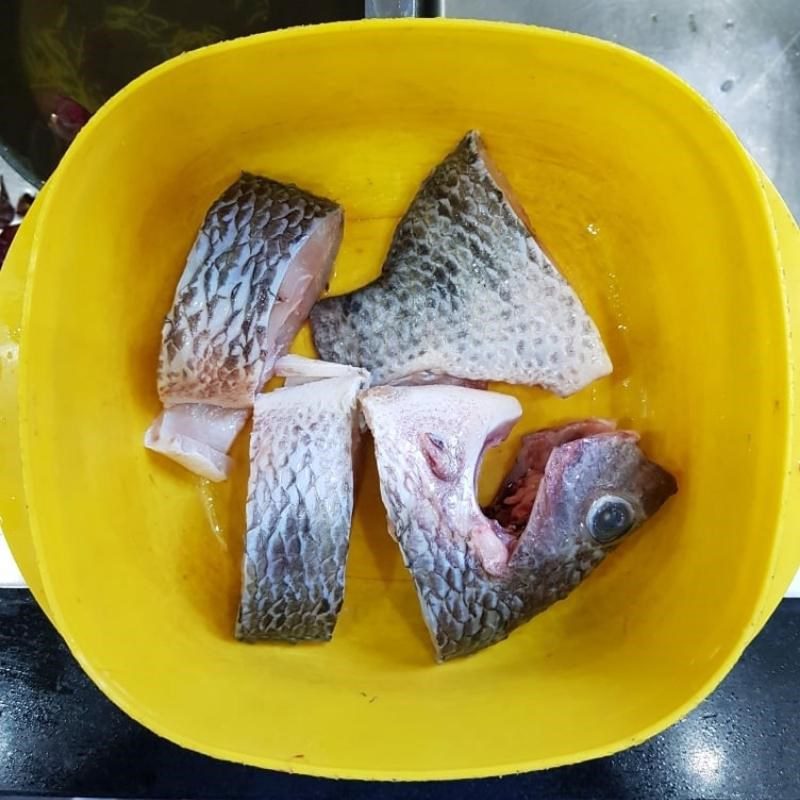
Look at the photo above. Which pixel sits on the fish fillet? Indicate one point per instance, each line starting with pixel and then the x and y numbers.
pixel 466 292
pixel 300 501
pixel 259 262
pixel 573 495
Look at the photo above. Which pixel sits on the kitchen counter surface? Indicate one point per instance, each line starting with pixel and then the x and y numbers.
pixel 59 736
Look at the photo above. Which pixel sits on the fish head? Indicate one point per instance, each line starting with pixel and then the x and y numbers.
pixel 573 494
pixel 595 492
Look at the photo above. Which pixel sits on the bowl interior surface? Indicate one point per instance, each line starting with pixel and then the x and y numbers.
pixel 649 208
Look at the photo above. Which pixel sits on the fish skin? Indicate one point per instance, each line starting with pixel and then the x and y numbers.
pixel 299 506
pixel 476 581
pixel 466 292
pixel 215 345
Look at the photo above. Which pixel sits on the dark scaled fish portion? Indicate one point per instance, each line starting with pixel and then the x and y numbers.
pixel 300 501
pixel 573 496
pixel 259 262
pixel 466 292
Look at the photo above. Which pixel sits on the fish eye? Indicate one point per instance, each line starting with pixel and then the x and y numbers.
pixel 609 518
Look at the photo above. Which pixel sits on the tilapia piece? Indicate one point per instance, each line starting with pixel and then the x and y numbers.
pixel 299 504
pixel 259 262
pixel 466 292
pixel 574 494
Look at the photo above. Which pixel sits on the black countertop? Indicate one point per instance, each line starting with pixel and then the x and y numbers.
pixel 60 736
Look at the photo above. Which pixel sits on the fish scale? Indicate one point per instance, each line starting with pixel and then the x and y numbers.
pixel 467 292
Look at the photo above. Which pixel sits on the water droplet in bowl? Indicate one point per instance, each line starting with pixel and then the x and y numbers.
pixel 727 85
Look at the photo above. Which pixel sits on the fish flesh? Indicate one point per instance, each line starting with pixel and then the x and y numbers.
pixel 260 260
pixel 573 495
pixel 300 502
pixel 197 436
pixel 466 292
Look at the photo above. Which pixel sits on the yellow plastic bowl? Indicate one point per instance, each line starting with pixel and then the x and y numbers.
pixel 655 214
